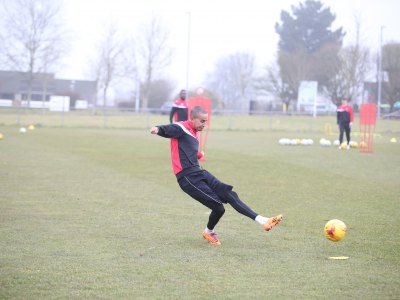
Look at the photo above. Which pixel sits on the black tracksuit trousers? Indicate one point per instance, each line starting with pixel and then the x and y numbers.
pixel 344 127
pixel 209 191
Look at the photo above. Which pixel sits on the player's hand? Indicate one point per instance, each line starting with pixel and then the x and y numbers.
pixel 154 130
pixel 200 154
pixel 351 123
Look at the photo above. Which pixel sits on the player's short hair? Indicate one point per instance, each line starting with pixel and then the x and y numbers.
pixel 196 111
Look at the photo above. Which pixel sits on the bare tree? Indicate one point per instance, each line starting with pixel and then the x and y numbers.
pixel 354 64
pixel 130 68
pixel 271 83
pixel 391 65
pixel 33 38
pixel 293 68
pixel 108 62
pixel 232 79
pixel 153 55
pixel 161 89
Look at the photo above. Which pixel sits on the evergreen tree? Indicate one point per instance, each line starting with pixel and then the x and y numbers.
pixel 308 28
pixel 308 47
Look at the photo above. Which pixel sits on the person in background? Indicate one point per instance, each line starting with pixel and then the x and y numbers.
pixel 199 183
pixel 345 118
pixel 179 110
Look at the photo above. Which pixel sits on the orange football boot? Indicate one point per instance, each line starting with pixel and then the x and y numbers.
pixel 272 222
pixel 211 238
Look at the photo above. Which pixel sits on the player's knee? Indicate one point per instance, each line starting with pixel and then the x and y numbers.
pixel 232 197
pixel 225 192
pixel 220 210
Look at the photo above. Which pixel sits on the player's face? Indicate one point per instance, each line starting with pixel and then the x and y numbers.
pixel 200 122
pixel 183 94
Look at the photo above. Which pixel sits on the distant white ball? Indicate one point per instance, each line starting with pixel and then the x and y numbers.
pixel 336 143
pixel 325 142
pixel 22 130
pixel 293 142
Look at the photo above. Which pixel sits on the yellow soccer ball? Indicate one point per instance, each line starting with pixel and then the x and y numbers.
pixel 335 230
pixel 353 144
pixel 1 136
pixel 363 144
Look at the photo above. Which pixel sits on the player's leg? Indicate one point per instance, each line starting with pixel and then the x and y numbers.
pixel 347 130
pixel 241 207
pixel 341 131
pixel 197 188
pixel 233 199
pixel 225 192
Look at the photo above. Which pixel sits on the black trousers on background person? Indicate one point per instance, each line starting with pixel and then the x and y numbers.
pixel 344 128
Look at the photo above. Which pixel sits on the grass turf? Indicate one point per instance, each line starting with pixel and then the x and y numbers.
pixel 93 213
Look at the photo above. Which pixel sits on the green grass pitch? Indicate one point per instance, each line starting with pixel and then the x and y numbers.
pixel 92 213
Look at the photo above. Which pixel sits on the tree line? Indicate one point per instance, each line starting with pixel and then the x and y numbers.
pixel 34 41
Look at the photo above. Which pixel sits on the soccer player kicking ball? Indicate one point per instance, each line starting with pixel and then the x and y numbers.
pixel 197 182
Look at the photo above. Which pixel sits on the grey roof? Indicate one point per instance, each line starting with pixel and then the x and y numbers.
pixel 14 82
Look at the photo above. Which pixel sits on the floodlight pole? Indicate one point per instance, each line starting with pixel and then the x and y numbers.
pixel 380 74
pixel 137 98
pixel 188 56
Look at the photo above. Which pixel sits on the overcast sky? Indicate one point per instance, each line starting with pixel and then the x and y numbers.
pixel 218 27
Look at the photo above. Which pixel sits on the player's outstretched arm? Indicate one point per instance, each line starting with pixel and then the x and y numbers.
pixel 167 131
pixel 154 130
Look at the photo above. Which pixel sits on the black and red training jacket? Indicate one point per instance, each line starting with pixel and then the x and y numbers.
pixel 345 114
pixel 179 111
pixel 184 147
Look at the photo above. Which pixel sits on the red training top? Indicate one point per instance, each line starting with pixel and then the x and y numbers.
pixel 345 114
pixel 179 111
pixel 185 153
